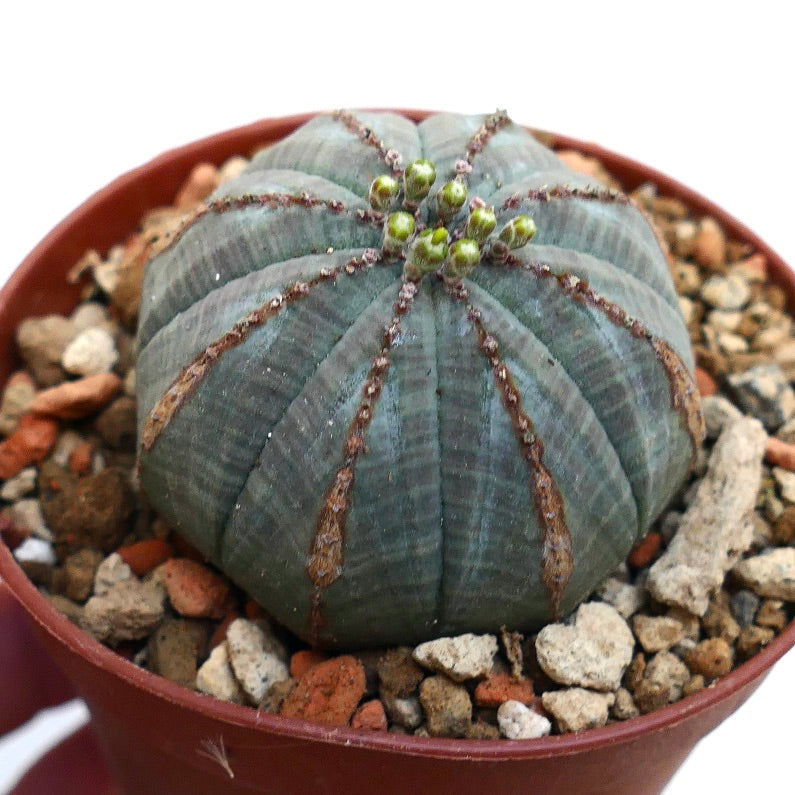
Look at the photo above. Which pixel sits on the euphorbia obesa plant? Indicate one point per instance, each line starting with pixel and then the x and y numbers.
pixel 403 380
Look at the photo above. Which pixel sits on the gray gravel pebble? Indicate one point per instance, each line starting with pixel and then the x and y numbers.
pixel 20 485
pixel 518 722
pixel 626 597
pixel 252 654
pixel 91 315
pixel 406 712
pixel 785 480
pixel 17 396
pixel 91 352
pixel 744 604
pixel 663 681
pixel 35 550
pixel 576 709
pixel 771 574
pixel 718 411
pixel 624 707
pixel 110 572
pixel 764 392
pixel 657 633
pixel 26 515
pixel 717 528
pixel 726 292
pixel 461 657
pixel 447 705
pixel 41 343
pixel 592 653
pixel 216 677
pixel 127 611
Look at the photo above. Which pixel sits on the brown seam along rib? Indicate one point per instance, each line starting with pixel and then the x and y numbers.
pixel 391 157
pixel 327 551
pixel 557 560
pixel 685 398
pixel 273 201
pixel 492 124
pixel 184 386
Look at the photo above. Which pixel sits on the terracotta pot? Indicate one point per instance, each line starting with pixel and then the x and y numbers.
pixel 152 730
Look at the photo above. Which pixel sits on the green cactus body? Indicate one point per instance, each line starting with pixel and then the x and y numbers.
pixel 382 445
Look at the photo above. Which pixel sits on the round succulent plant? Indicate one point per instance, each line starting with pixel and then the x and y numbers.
pixel 402 380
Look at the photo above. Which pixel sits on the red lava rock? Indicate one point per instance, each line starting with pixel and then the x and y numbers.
pixel 370 717
pixel 305 659
pixel 645 551
pixel 328 693
pixel 500 687
pixel 145 556
pixel 74 400
pixel 80 458
pixel 780 454
pixel 201 182
pixel 194 590
pixel 705 383
pixel 29 444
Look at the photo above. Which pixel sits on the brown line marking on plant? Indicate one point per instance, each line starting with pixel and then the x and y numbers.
pixel 685 399
pixel 391 157
pixel 492 124
pixel 547 194
pixel 327 551
pixel 557 557
pixel 597 194
pixel 273 201
pixel 191 376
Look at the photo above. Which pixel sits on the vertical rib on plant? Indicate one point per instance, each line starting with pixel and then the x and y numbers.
pixel 405 380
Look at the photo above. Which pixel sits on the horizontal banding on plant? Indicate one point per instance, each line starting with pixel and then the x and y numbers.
pixel 193 374
pixel 684 394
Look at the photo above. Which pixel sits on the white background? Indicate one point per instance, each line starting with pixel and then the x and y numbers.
pixel 702 91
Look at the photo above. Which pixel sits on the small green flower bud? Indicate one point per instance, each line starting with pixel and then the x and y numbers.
pixel 398 228
pixel 518 231
pixel 418 178
pixel 481 223
pixel 428 252
pixel 383 192
pixel 462 258
pixel 450 199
